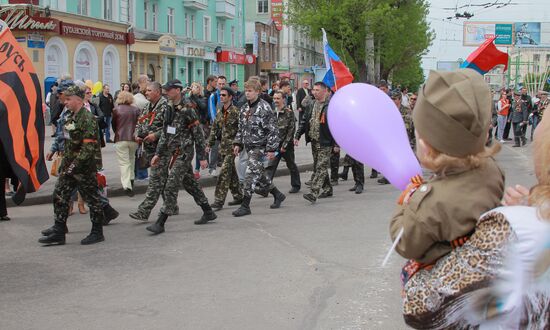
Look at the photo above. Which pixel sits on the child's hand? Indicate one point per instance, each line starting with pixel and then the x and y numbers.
pixel 516 195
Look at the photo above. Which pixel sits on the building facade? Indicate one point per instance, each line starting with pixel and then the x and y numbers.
pixel 78 38
pixel 188 39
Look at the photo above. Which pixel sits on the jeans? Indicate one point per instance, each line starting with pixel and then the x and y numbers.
pixel 535 120
pixel 501 123
pixel 214 156
pixel 108 121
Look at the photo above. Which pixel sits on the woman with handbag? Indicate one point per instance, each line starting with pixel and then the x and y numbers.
pixel 125 117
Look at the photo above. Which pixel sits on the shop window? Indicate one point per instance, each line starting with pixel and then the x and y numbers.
pixel 207 28
pixel 83 62
pixel 82 7
pixel 221 31
pixel 151 72
pixel 263 6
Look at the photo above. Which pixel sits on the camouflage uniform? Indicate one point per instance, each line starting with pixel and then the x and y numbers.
pixel 320 182
pixel 286 122
pixel 257 134
pixel 177 144
pixel 151 121
pixel 81 160
pixel 226 125
pixel 409 126
pixel 357 168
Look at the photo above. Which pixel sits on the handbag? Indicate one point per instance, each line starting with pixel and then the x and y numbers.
pixel 142 159
pixel 56 164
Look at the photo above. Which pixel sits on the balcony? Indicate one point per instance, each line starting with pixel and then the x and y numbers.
pixel 196 4
pixel 225 9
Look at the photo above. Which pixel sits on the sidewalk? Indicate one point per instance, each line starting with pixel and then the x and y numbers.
pixel 110 164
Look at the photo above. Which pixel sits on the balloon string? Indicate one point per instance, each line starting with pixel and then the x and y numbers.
pixel 393 247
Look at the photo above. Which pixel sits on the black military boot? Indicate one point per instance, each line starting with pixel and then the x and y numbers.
pixel 278 198
pixel 208 215
pixel 217 205
pixel 344 174
pixel 235 202
pixel 109 214
pixel 244 209
pixel 95 236
pixel 373 174
pixel 523 140
pixel 57 234
pixel 158 227
pixel 49 231
pixel 517 142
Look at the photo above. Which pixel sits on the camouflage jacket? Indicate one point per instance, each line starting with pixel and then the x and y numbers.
pixel 82 148
pixel 407 119
pixel 257 127
pixel 225 125
pixel 181 132
pixel 286 122
pixel 151 121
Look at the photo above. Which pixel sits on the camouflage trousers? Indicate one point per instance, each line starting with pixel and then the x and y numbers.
pixel 87 187
pixel 255 173
pixel 334 165
pixel 357 168
pixel 181 174
pixel 320 182
pixel 228 180
pixel 157 180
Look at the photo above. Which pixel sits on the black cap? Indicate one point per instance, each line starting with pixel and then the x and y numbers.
pixel 234 81
pixel 173 84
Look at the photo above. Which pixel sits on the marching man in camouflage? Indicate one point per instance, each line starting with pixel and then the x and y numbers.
pixel 148 131
pixel 257 135
pixel 226 125
pixel 180 135
pixel 286 123
pixel 315 125
pixel 78 169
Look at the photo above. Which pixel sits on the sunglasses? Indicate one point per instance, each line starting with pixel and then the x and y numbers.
pixel 224 95
pixel 413 98
pixel 88 92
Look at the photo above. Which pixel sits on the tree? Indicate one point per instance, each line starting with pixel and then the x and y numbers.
pixel 400 31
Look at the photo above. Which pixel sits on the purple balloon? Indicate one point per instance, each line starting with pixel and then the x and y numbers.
pixel 365 122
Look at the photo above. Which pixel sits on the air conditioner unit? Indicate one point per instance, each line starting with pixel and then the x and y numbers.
pixel 131 57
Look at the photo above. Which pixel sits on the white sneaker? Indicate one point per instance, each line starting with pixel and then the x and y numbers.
pixel 501 141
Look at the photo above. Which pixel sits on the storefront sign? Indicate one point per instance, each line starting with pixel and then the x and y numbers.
pixel 195 52
pixel 273 40
pixel 232 57
pixel 255 44
pixel 92 33
pixel 280 66
pixel 277 13
pixel 19 19
pixel 36 40
pixel 264 37
pixel 167 45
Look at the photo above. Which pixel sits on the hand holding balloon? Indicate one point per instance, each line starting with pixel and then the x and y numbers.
pixel 366 124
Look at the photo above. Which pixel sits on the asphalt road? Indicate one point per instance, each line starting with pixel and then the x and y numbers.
pixel 299 267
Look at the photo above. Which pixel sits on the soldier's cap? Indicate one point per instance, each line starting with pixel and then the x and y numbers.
pixel 64 85
pixel 175 83
pixel 395 94
pixel 543 93
pixel 74 90
pixel 517 93
pixel 453 112
pixel 228 90
pixel 234 81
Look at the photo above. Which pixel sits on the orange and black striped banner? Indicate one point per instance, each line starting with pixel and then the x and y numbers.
pixel 21 117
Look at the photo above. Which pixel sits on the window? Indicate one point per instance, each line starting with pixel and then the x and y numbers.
pixel 207 33
pixel 221 31
pixel 193 30
pixel 53 4
pixel 187 34
pixel 232 36
pixel 108 9
pixel 82 7
pixel 146 15
pixel 170 20
pixel 154 12
pixel 263 6
pixel 131 11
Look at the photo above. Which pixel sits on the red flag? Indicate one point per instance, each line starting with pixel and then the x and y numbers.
pixel 486 57
pixel 21 118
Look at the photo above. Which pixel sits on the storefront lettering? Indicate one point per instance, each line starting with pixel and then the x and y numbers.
pixel 198 52
pixel 93 33
pixel 19 20
pixel 7 50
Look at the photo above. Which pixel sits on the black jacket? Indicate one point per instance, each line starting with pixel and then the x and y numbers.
pixel 300 95
pixel 106 104
pixel 201 104
pixel 325 137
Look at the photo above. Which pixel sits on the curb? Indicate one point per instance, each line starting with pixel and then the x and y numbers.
pixel 141 188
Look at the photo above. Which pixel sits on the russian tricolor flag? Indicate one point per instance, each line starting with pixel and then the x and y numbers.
pixel 338 74
pixel 486 57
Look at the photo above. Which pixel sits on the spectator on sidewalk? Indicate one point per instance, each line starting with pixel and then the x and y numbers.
pixel 106 104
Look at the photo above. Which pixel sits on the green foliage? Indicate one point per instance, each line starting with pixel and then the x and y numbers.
pixel 400 31
pixel 532 79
